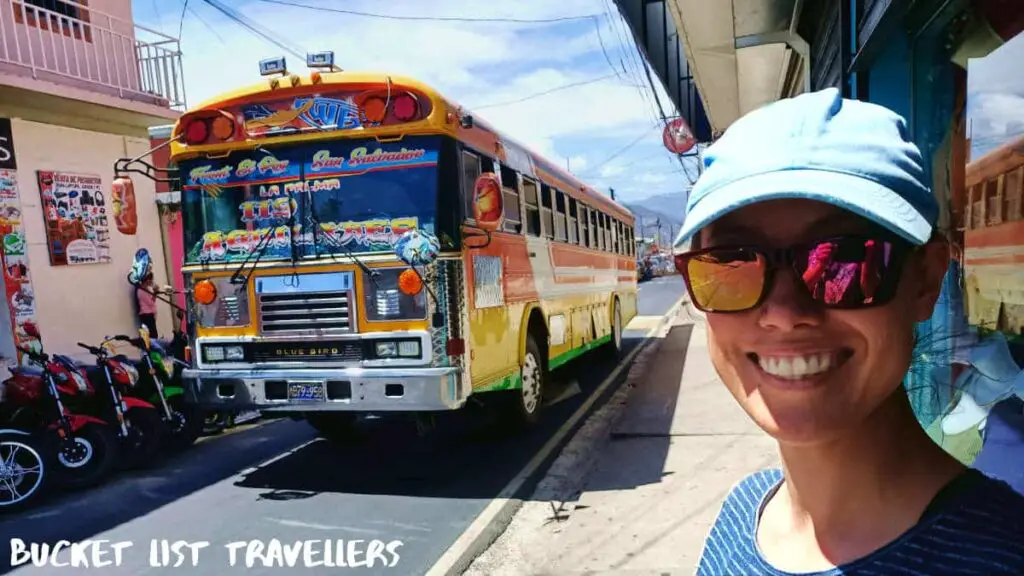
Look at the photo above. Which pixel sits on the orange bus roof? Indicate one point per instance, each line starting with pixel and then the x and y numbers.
pixel 483 134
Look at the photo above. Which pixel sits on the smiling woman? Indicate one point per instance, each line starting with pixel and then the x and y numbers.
pixel 814 255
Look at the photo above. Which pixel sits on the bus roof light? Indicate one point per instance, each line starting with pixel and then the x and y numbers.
pixel 196 132
pixel 374 110
pixel 320 59
pixel 223 128
pixel 405 107
pixel 270 66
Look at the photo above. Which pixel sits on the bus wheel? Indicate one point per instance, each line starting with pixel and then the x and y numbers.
pixel 522 407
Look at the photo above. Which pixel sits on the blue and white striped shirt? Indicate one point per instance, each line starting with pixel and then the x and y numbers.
pixel 974 526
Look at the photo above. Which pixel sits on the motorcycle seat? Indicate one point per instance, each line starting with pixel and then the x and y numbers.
pixel 30 369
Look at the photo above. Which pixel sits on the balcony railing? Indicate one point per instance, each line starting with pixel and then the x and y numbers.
pixel 87 48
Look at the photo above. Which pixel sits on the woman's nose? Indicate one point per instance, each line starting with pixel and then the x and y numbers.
pixel 789 305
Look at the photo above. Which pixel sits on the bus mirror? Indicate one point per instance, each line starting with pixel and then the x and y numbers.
pixel 488 208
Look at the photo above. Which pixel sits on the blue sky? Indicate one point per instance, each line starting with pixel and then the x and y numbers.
pixel 995 99
pixel 476 64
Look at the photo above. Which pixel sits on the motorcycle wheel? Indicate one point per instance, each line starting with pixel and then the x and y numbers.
pixel 187 425
pixel 25 471
pixel 87 457
pixel 145 437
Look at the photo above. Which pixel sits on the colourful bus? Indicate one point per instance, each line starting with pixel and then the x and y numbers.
pixel 357 243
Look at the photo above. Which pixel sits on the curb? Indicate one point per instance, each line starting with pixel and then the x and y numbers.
pixel 566 475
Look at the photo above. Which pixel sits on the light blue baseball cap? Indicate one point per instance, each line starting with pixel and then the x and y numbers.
pixel 819 146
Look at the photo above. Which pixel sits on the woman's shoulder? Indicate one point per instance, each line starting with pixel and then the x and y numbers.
pixel 988 504
pixel 753 488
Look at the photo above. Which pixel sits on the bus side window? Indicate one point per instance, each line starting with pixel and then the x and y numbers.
pixel 532 207
pixel 595 231
pixel 560 214
pixel 547 219
pixel 510 192
pixel 470 172
pixel 573 227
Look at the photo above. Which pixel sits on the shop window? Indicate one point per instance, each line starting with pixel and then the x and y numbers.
pixel 993 202
pixel 584 225
pixel 532 205
pixel 546 206
pixel 574 231
pixel 55 15
pixel 560 214
pixel 510 193
pixel 1013 189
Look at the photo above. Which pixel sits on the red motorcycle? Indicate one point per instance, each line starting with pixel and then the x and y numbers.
pixel 137 422
pixel 86 447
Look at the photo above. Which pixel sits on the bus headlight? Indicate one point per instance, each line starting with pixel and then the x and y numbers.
pixel 397 349
pixel 383 299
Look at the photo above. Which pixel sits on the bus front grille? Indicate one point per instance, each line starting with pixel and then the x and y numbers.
pixel 306 313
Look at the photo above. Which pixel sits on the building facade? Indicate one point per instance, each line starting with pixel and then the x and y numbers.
pixel 80 85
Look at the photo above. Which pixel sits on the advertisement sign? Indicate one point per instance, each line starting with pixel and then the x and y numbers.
pixel 7 159
pixel 75 213
pixel 17 280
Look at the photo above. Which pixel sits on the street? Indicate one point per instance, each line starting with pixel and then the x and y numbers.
pixel 279 481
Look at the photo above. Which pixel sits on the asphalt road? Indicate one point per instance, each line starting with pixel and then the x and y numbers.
pixel 279 481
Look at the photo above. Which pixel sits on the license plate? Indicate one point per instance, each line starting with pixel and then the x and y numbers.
pixel 306 391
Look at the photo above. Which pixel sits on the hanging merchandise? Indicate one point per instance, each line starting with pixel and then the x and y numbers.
pixel 17 279
pixel 75 211
pixel 126 217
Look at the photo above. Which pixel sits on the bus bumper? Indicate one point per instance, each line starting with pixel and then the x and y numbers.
pixel 339 390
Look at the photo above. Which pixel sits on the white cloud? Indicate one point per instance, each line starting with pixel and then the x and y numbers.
pixel 475 64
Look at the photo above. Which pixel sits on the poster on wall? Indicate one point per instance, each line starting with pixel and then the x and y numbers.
pixel 17 279
pixel 75 213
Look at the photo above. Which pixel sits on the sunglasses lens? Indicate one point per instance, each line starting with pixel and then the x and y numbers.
pixel 848 272
pixel 727 280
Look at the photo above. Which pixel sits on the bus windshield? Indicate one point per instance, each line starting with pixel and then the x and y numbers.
pixel 338 197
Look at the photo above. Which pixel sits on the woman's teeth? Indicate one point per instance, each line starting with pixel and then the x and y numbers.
pixel 796 367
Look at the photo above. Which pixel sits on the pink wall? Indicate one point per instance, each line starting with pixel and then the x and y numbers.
pixel 99 50
pixel 172 226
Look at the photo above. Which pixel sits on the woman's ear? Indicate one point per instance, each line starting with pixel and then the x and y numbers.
pixel 931 266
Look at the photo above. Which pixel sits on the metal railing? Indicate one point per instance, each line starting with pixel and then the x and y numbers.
pixel 84 47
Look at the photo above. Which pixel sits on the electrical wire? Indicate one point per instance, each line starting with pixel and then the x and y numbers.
pixel 206 24
pixel 253 27
pixel 624 149
pixel 181 21
pixel 430 18
pixel 545 92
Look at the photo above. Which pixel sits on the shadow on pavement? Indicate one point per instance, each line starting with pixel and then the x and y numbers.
pixel 76 516
pixel 639 445
pixel 464 458
pixel 468 456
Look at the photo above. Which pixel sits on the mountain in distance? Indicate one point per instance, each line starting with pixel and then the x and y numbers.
pixel 669 208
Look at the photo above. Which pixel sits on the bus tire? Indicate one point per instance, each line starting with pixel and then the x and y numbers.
pixel 522 407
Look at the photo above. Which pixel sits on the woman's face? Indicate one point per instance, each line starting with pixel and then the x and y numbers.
pixel 870 349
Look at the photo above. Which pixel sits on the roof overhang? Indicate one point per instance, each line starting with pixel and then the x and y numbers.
pixel 741 54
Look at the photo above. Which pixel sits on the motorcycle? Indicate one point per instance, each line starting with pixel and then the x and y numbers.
pixel 86 447
pixel 160 383
pixel 25 469
pixel 138 423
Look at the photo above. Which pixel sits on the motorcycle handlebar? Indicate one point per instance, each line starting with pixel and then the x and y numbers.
pixel 92 349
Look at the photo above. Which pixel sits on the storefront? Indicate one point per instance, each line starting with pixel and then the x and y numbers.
pixel 67 244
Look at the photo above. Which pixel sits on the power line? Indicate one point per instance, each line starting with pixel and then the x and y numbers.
pixel 206 24
pixel 255 29
pixel 624 149
pixel 430 18
pixel 546 92
pixel 181 21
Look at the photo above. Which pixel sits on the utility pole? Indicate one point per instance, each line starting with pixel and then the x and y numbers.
pixel 658 226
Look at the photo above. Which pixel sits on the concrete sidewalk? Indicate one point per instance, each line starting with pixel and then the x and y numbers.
pixel 674 452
